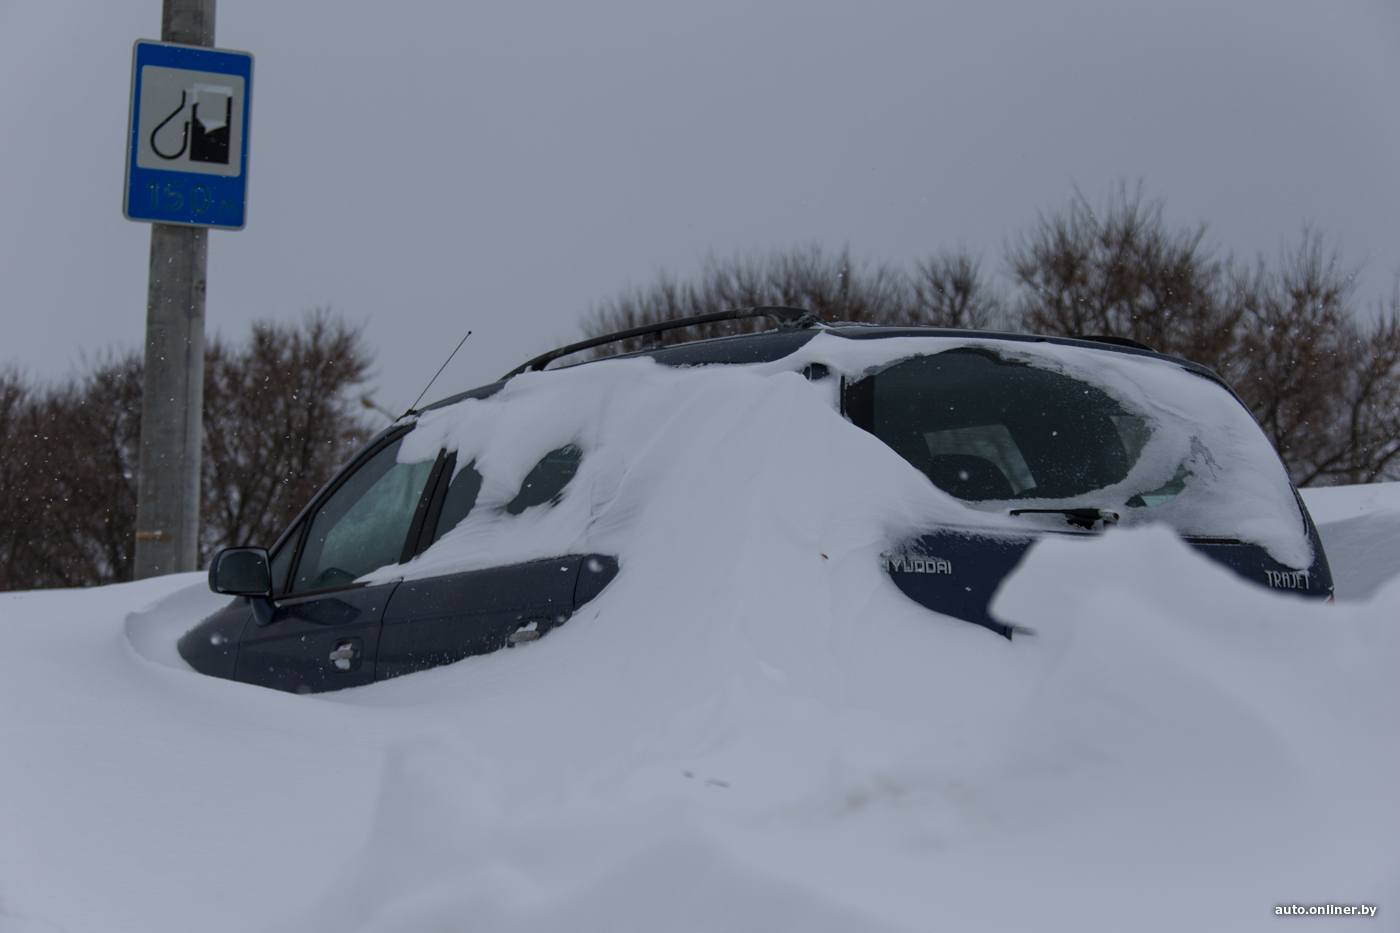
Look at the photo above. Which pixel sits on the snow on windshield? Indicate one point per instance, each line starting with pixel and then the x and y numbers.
pixel 1195 458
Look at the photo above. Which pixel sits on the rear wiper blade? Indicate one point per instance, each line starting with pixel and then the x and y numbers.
pixel 1084 518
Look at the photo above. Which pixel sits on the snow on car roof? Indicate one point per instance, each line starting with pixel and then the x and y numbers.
pixel 660 437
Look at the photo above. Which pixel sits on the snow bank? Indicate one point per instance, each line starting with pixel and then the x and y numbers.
pixel 1360 531
pixel 750 729
pixel 1186 757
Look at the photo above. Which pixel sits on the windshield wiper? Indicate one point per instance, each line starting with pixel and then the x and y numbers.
pixel 1084 518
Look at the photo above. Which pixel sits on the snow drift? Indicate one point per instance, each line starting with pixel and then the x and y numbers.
pixel 1360 530
pixel 750 729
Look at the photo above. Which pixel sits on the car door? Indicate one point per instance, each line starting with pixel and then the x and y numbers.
pixel 443 619
pixel 325 627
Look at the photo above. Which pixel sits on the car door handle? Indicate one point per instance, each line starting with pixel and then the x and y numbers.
pixel 528 632
pixel 346 654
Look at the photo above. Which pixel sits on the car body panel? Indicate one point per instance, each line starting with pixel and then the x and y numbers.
pixel 296 650
pixel 393 628
pixel 443 619
pixel 211 647
pixel 957 573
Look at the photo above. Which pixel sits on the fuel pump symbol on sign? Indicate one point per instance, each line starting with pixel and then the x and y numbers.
pixel 205 134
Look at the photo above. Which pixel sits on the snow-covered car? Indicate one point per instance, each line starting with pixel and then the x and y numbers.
pixel 487 519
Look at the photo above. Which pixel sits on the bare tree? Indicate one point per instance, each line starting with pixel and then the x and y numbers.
pixel 68 482
pixel 19 506
pixel 948 290
pixel 1120 272
pixel 278 420
pixel 1325 390
pixel 97 430
pixel 1373 391
pixel 832 286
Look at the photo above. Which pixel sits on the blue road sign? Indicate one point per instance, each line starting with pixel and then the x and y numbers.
pixel 187 141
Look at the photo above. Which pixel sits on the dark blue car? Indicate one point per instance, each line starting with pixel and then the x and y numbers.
pixel 1029 436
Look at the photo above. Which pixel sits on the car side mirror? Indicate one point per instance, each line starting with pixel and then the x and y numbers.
pixel 241 571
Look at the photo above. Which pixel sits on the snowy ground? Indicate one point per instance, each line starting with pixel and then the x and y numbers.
pixel 1173 750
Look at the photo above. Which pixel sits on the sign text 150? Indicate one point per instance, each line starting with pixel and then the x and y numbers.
pixel 171 196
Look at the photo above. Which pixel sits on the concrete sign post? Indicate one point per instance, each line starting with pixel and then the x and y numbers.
pixel 186 171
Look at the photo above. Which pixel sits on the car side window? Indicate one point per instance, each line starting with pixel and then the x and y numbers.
pixel 364 523
pixel 281 563
pixel 459 501
pixel 543 484
pixel 546 481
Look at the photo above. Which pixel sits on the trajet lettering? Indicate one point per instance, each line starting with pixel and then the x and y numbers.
pixel 1287 579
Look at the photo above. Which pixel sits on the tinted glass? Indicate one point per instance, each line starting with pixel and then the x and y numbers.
pixel 983 428
pixel 547 479
pixel 281 563
pixel 363 525
pixel 460 499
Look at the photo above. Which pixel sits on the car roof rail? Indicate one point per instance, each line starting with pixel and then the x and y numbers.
pixel 1115 341
pixel 786 317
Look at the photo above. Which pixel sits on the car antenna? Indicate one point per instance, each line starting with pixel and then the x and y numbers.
pixel 412 408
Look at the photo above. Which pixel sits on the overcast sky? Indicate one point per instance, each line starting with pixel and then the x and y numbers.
pixel 431 167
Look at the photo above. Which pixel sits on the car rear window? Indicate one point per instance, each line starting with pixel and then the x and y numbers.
pixel 1065 427
pixel 981 427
